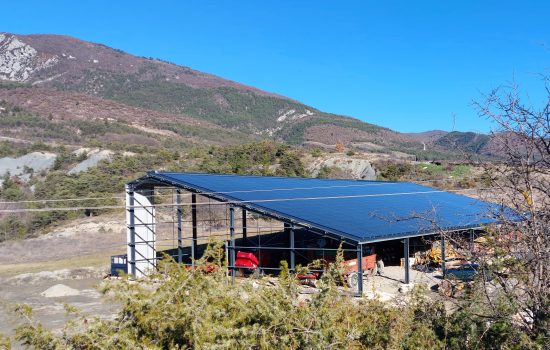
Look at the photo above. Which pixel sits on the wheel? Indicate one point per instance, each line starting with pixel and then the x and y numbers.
pixel 353 280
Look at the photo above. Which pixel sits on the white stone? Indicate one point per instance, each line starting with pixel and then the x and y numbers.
pixel 405 288
pixel 59 290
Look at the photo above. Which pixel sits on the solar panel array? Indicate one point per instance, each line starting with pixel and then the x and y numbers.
pixel 361 211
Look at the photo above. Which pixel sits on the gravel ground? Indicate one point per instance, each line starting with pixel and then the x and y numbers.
pixel 80 237
pixel 66 265
pixel 47 297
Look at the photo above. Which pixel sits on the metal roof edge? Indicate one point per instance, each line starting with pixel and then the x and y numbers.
pixel 423 233
pixel 277 177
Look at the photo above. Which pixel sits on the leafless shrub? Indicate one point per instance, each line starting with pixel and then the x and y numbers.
pixel 518 250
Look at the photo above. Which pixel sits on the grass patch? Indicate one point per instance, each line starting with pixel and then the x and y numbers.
pixel 431 169
pixel 461 170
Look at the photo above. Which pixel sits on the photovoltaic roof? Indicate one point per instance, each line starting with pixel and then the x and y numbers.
pixel 361 211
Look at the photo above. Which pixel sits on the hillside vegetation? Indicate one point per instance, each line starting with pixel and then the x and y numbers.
pixel 469 142
pixel 105 83
pixel 108 179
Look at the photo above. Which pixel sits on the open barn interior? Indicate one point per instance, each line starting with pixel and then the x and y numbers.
pixel 263 221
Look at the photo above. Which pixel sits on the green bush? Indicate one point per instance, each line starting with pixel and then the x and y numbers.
pixel 261 158
pixel 324 172
pixel 179 308
pixel 393 171
pixel 10 190
pixel 460 170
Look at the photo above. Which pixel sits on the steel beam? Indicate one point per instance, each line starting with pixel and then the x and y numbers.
pixel 194 230
pixel 232 239
pixel 443 255
pixel 245 231
pixel 406 255
pixel 180 238
pixel 360 270
pixel 226 247
pixel 132 228
pixel 292 251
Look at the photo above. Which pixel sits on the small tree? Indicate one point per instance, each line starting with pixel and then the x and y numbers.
pixel 519 250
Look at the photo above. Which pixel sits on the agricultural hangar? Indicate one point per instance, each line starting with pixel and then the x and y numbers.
pixel 270 219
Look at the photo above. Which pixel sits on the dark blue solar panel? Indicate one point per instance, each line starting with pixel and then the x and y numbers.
pixel 369 211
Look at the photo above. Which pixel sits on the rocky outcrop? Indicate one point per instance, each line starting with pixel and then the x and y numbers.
pixel 292 114
pixel 29 163
pixel 18 60
pixel 355 168
pixel 93 158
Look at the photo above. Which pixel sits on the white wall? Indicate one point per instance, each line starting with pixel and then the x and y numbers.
pixel 145 237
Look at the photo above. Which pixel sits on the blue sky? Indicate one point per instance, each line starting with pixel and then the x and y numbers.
pixel 407 65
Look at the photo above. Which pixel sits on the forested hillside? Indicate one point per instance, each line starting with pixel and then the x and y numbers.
pixel 149 92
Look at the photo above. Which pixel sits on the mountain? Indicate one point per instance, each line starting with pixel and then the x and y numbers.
pixel 64 78
pixel 35 109
pixel 426 136
pixel 470 142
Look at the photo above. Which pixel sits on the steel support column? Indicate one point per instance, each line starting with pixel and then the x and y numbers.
pixel 179 214
pixel 360 270
pixel 443 255
pixel 194 229
pixel 406 255
pixel 132 228
pixel 232 238
pixel 292 252
pixel 244 225
pixel 226 247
